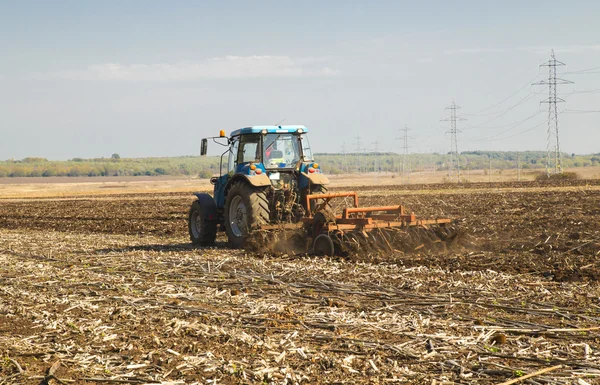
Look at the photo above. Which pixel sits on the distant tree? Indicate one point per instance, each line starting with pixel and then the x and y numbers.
pixel 333 170
pixel 34 160
pixel 115 156
pixel 74 171
pixel 18 172
pixel 94 172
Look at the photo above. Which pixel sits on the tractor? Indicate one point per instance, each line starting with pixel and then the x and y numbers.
pixel 269 173
pixel 271 182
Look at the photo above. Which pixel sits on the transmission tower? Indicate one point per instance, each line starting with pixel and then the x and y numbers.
pixel 357 149
pixel 454 158
pixel 405 156
pixel 375 156
pixel 552 142
pixel 344 160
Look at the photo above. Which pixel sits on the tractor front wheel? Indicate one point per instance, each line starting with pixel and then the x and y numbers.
pixel 246 209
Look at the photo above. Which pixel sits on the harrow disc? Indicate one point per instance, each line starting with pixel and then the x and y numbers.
pixel 391 241
pixel 323 246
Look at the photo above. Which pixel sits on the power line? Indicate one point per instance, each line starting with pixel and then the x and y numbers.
pixel 580 111
pixel 503 100
pixel 583 72
pixel 527 130
pixel 502 113
pixel 585 91
pixel 512 126
pixel 454 160
pixel 552 102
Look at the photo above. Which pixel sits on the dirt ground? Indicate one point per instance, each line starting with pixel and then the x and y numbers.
pixel 106 288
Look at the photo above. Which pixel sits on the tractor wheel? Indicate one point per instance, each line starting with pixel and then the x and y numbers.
pixel 203 231
pixel 246 208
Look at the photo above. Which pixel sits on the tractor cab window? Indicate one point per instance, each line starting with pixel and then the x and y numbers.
pixel 306 151
pixel 249 149
pixel 233 153
pixel 281 150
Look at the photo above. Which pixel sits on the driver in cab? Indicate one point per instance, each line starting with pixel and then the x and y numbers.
pixel 274 158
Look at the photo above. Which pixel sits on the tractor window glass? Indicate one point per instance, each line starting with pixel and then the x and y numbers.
pixel 281 151
pixel 249 150
pixel 306 151
pixel 233 155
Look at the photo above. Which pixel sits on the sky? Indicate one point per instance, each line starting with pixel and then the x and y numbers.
pixel 140 78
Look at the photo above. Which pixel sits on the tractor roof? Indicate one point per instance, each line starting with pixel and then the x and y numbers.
pixel 270 130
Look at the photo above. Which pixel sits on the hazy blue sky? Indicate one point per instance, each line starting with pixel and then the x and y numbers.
pixel 151 78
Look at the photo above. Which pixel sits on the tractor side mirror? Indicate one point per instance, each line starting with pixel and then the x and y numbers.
pixel 203 147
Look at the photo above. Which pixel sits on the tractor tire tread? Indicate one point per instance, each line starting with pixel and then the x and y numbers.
pixel 258 205
pixel 260 208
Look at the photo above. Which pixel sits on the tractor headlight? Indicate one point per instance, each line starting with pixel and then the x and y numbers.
pixel 264 131
pixel 300 130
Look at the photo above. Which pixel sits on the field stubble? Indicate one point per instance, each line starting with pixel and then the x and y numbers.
pixel 111 290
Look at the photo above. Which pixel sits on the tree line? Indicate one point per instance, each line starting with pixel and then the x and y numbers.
pixel 468 160
pixel 205 167
pixel 115 166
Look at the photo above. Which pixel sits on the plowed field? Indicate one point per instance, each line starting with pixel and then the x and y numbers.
pixel 109 290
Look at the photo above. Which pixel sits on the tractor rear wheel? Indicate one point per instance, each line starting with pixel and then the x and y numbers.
pixel 246 208
pixel 202 229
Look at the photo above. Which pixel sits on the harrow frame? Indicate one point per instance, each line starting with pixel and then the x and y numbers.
pixel 362 218
pixel 352 219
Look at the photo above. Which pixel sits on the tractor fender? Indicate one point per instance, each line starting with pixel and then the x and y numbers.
pixel 254 180
pixel 316 178
pixel 208 205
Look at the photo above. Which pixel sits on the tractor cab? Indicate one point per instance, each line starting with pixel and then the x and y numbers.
pixel 274 149
pixel 279 156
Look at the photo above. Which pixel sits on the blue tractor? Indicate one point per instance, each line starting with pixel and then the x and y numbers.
pixel 269 174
